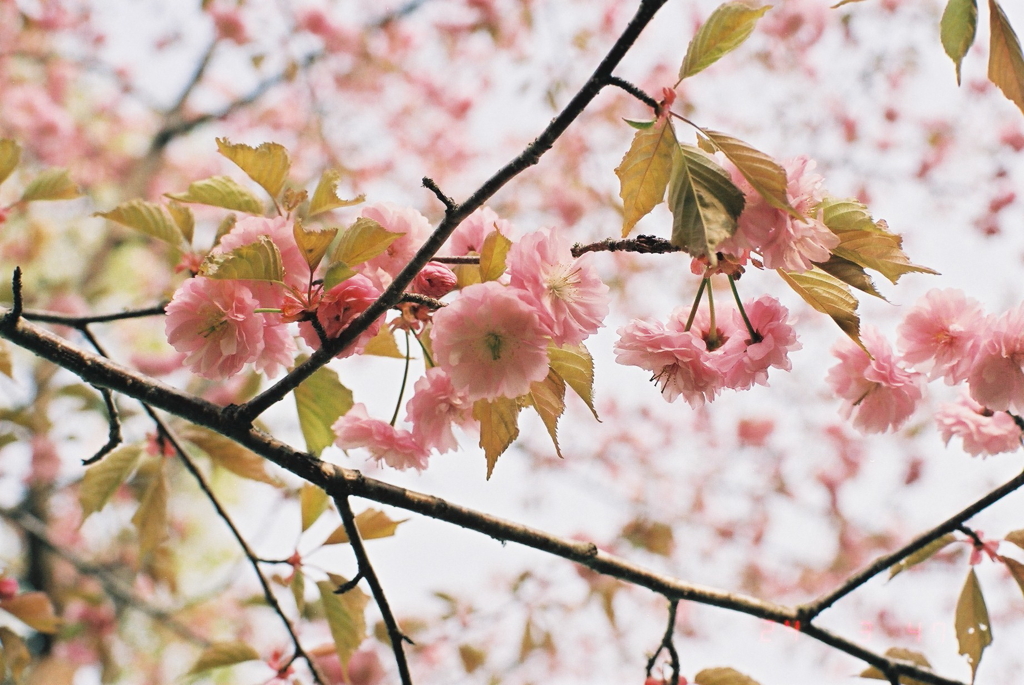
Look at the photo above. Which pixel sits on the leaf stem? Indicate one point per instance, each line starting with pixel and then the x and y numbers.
pixel 755 337
pixel 696 303
pixel 405 378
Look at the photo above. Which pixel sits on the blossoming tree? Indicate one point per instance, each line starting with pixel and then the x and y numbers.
pixel 240 318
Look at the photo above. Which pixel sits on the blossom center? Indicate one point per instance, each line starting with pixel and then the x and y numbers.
pixel 562 282
pixel 494 344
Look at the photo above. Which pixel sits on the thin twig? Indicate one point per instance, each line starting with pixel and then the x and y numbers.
pixel 668 645
pixel 449 204
pixel 79 321
pixel 644 244
pixel 113 435
pixel 426 301
pixel 468 259
pixel 635 92
pixel 366 570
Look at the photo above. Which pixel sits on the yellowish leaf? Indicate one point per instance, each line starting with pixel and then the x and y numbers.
pixel 704 202
pixel 146 217
pixel 52 184
pixel 223 654
pixel 472 658
pixel 493 254
pixel 220 191
pixel 312 503
pixel 325 197
pixel 383 345
pixel 899 654
pixel 6 366
pixel 1005 61
pixel 10 155
pixel 763 173
pixel 336 273
pixel 576 367
pixel 258 261
pixel 321 400
pixel 15 652
pixel 183 219
pixel 313 243
pixel 722 676
pixel 150 518
pixel 973 629
pixel 346 617
pixel 827 294
pixel 267 164
pixel 52 670
pixel 878 250
pixel 364 240
pixel 1016 570
pixel 104 477
pixel 654 536
pixel 850 274
pixel 499 427
pixel 645 170
pixel 1016 537
pixel 846 214
pixel 228 454
pixel 957 28
pixel 548 398
pixel 34 609
pixel 372 524
pixel 724 31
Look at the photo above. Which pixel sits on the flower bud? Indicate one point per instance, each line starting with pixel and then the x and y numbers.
pixel 434 280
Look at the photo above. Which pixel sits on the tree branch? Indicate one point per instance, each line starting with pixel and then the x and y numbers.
pixel 667 645
pixel 79 321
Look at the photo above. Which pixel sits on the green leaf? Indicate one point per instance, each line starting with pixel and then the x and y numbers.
pixel 576 367
pixel 104 477
pixel 10 155
pixel 312 503
pixel 325 197
pixel 146 217
pixel 220 191
pixel 34 609
pixel 6 366
pixel 764 174
pixel 923 554
pixel 827 294
pixel 847 214
pixel 223 654
pixel 267 164
pixel 957 29
pixel 183 219
pixel 336 273
pixel 641 125
pixel 346 617
pixel 298 588
pixel 973 629
pixel 52 184
pixel 258 261
pixel 724 31
pixel 372 524
pixel 907 656
pixel 321 400
pixel 364 240
pixel 150 519
pixel 499 427
pixel 493 254
pixel 1005 62
pixel 644 171
pixel 313 243
pixel 228 454
pixel 704 202
pixel 878 250
pixel 851 274
pixel 722 676
pixel 548 398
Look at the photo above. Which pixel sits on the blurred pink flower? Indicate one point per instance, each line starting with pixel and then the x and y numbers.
pixel 338 307
pixel 336 38
pixel 229 24
pixel 754 432
pixel 413 226
pixel 364 667
pixel 941 335
pixel 881 395
pixel 491 343
pixel 983 431
pixel 997 377
pixel 744 362
pixel 434 407
pixel 396 448
pixel 567 292
pixel 212 322
pixel 679 360
pixel 470 235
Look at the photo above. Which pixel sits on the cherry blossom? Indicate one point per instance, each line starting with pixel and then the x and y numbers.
pixel 881 394
pixel 491 342
pixel 336 310
pixel 434 280
pixel 213 323
pixel 997 377
pixel 414 228
pixel 434 408
pixel 745 362
pixel 983 431
pixel 941 335
pixel 470 235
pixel 567 292
pixel 396 448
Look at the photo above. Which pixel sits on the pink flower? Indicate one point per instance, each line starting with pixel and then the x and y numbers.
pixel 280 231
pixel 679 360
pixel 984 432
pixel 396 448
pixel 567 292
pixel 997 377
pixel 212 322
pixel 434 280
pixel 8 587
pixel 491 343
pixel 784 242
pixel 434 407
pixel 413 226
pixel 881 394
pixel 754 432
pixel 229 25
pixel 339 306
pixel 470 235
pixel 745 362
pixel 941 335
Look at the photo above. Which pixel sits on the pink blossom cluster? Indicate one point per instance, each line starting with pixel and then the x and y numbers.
pixel 697 363
pixel 945 335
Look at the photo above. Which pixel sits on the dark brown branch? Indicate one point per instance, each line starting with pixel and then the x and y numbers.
pixel 416 298
pixel 449 204
pixel 79 321
pixel 644 244
pixel 367 572
pixel 527 158
pixel 668 645
pixel 635 92
pixel 113 435
pixel 468 259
